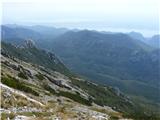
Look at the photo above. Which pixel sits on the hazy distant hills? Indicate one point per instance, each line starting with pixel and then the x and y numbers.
pixel 48 31
pixel 17 34
pixel 154 41
pixel 37 29
pixel 136 35
pixel 120 60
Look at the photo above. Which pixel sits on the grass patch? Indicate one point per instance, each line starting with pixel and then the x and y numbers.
pixel 5 116
pixel 48 88
pixel 39 76
pixel 16 84
pixel 42 114
pixel 75 97
pixel 22 75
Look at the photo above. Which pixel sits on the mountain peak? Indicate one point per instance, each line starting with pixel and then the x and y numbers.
pixel 136 35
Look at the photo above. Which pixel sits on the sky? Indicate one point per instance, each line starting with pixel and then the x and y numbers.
pixel 107 15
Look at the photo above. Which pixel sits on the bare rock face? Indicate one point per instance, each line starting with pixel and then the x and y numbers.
pixel 29 43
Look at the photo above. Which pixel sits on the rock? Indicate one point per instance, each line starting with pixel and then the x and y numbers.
pixel 25 71
pixel 59 83
pixel 21 117
pixel 29 43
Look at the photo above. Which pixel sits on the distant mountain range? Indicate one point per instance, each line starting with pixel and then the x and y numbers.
pixel 40 34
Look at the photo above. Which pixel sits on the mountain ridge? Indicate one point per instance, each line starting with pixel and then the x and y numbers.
pixel 97 55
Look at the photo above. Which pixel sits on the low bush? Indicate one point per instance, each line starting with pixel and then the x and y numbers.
pixel 48 88
pixel 75 97
pixel 5 116
pixel 16 84
pixel 22 75
pixel 39 76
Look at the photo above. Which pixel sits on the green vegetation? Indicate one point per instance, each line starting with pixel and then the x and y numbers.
pixel 102 95
pixel 141 115
pixel 22 75
pixel 48 88
pixel 39 76
pixel 111 59
pixel 75 97
pixel 106 96
pixel 4 116
pixel 19 85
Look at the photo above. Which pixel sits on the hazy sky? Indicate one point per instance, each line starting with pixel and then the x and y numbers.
pixel 109 15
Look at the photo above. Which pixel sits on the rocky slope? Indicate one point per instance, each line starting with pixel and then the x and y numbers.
pixel 31 91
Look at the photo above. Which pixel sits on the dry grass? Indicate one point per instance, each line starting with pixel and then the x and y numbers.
pixel 110 113
pixel 4 116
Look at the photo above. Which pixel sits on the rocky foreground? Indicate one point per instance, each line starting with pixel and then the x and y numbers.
pixel 30 92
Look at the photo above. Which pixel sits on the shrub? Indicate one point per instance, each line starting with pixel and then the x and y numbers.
pixel 5 116
pixel 48 88
pixel 16 84
pixel 75 97
pixel 22 75
pixel 39 76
